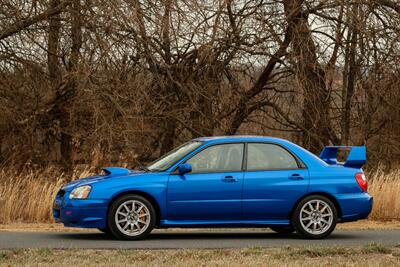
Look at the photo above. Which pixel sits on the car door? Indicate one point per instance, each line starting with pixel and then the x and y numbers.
pixel 274 180
pixel 212 190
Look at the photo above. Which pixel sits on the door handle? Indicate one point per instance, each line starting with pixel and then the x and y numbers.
pixel 229 179
pixel 296 176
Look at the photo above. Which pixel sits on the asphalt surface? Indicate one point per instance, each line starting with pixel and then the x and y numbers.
pixel 193 239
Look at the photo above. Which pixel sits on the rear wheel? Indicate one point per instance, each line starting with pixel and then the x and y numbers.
pixel 282 229
pixel 315 217
pixel 131 217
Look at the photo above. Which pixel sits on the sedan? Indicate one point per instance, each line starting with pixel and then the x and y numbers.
pixel 230 181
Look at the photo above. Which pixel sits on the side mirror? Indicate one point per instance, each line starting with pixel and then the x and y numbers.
pixel 184 168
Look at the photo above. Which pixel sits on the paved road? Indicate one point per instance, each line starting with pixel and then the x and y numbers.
pixel 194 239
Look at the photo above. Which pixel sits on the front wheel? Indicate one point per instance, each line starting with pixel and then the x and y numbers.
pixel 131 217
pixel 315 217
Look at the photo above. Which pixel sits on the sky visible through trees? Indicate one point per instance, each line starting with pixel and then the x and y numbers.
pixel 102 82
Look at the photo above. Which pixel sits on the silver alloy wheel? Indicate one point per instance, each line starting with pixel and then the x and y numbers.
pixel 316 216
pixel 132 217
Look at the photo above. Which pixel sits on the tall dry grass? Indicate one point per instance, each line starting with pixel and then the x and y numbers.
pixel 385 188
pixel 28 196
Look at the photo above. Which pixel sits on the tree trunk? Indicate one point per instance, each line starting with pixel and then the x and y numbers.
pixel 168 137
pixel 311 77
pixel 202 115
pixel 68 90
pixel 54 69
pixel 242 109
pixel 53 64
pixel 165 31
pixel 350 78
pixel 21 25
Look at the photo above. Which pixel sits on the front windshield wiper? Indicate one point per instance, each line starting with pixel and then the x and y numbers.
pixel 144 168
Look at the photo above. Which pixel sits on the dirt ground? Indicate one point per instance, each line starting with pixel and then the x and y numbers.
pixel 369 255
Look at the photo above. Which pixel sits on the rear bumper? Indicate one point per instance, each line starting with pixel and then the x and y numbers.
pixel 354 207
pixel 88 213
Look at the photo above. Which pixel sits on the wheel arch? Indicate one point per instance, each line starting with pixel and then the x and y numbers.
pixel 146 195
pixel 318 193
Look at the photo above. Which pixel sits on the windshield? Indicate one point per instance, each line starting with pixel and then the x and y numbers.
pixel 173 156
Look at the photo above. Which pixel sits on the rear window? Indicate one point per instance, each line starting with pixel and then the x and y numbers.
pixel 269 157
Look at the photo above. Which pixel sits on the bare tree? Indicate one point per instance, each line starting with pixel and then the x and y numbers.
pixel 106 82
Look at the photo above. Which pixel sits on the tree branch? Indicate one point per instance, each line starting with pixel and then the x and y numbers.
pixel 20 25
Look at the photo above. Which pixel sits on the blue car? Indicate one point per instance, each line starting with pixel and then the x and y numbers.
pixel 232 181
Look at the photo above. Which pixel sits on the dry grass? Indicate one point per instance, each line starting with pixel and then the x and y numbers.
pixel 368 224
pixel 385 188
pixel 43 227
pixel 28 196
pixel 371 255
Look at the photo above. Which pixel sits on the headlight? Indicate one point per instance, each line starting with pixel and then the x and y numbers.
pixel 81 192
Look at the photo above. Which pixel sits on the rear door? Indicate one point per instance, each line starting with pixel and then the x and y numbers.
pixel 212 191
pixel 274 180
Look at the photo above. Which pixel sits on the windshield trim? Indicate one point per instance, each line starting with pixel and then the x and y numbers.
pixel 200 143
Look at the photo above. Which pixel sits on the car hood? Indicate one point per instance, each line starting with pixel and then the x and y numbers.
pixel 112 172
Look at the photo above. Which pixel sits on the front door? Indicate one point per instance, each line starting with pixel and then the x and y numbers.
pixel 212 191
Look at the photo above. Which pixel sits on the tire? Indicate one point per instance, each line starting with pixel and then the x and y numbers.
pixel 315 217
pixel 133 223
pixel 282 229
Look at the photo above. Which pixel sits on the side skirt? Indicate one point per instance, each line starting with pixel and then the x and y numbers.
pixel 233 224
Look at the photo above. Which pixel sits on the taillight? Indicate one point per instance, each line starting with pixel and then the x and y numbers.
pixel 362 181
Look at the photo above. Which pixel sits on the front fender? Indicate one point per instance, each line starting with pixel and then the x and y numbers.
pixel 152 185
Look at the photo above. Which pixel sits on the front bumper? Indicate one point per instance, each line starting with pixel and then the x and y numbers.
pixel 85 213
pixel 354 206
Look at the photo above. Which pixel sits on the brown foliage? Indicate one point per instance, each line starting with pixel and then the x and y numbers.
pixel 105 82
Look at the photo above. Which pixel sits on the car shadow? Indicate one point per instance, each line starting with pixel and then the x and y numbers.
pixel 203 236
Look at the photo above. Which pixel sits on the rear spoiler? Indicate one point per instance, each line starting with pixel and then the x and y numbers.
pixel 356 158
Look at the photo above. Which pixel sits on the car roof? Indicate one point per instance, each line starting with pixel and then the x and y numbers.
pixel 240 138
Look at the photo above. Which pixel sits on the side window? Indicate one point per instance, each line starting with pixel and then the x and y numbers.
pixel 269 157
pixel 218 158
